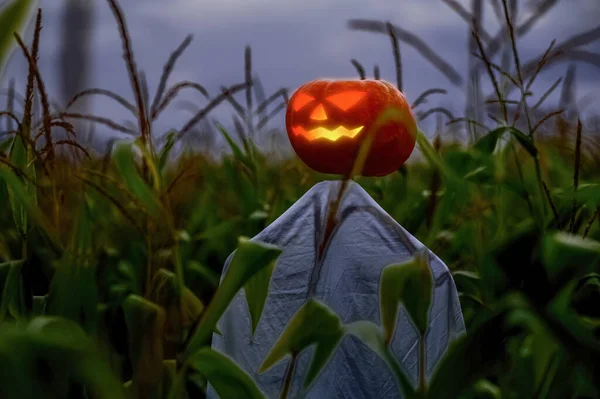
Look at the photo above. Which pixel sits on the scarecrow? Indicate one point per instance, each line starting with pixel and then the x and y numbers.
pixel 326 121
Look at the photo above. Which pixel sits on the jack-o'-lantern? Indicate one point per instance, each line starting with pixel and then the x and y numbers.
pixel 327 120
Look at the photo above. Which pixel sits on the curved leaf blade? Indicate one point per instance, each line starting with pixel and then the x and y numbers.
pixel 28 201
pixel 313 323
pixel 411 284
pixel 123 159
pixel 145 324
pixel 250 258
pixel 224 375
pixel 370 334
pixel 14 16
pixel 257 290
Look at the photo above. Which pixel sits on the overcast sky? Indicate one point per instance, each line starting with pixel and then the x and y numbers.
pixel 292 42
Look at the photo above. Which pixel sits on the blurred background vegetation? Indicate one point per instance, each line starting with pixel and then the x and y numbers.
pixel 109 256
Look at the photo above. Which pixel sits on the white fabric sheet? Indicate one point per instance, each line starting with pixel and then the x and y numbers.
pixel 348 282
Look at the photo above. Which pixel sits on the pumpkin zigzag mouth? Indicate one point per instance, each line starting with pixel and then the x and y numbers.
pixel 324 133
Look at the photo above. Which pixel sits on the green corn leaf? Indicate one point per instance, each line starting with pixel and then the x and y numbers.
pixel 14 17
pixel 26 199
pixel 485 389
pixel 370 334
pixel 587 193
pixel 155 178
pixel 314 323
pixel 166 150
pixel 81 242
pixel 542 347
pixel 73 288
pixel 566 255
pixel 12 299
pixel 257 290
pixel 38 306
pixel 18 156
pixel 63 347
pixel 225 376
pixel 206 274
pixel 165 293
pixel 74 293
pixel 431 154
pixel 250 258
pixel 470 357
pixel 5 145
pixel 237 151
pixel 242 158
pixel 411 284
pixel 524 140
pixel 467 282
pixel 487 144
pixel 123 158
pixel 145 325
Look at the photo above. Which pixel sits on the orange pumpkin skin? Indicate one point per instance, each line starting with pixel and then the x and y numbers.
pixel 327 120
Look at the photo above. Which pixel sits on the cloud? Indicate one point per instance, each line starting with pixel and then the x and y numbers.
pixel 292 42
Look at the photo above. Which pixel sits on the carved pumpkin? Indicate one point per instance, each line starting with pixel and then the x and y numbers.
pixel 326 121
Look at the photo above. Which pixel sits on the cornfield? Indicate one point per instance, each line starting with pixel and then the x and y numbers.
pixel 110 262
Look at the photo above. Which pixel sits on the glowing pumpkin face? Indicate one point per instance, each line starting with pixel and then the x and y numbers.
pixel 326 121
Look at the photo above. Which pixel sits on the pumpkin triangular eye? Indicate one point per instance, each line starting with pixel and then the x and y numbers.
pixel 346 100
pixel 301 100
pixel 319 113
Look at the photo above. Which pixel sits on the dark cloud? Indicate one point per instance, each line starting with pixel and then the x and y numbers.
pixel 294 42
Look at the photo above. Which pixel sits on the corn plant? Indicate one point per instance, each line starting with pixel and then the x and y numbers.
pixel 110 264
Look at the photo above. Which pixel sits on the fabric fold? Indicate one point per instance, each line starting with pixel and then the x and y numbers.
pixel 367 240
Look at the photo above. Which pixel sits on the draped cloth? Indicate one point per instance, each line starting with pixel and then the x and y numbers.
pixel 366 241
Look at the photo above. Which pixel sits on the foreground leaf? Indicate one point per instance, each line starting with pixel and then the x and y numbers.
pixel 237 151
pixel 370 334
pixel 524 140
pixel 467 282
pixel 207 275
pixel 586 193
pixel 539 345
pixel 586 296
pixel 145 324
pixel 73 289
pixel 123 158
pixel 432 156
pixel 18 156
pixel 565 255
pixel 257 290
pixel 14 16
pixel 313 323
pixel 38 305
pixel 487 144
pixel 74 294
pixel 166 151
pixel 28 201
pixel 63 347
pixel 411 284
pixel 12 300
pixel 225 376
pixel 250 258
pixel 483 347
pixel 164 293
